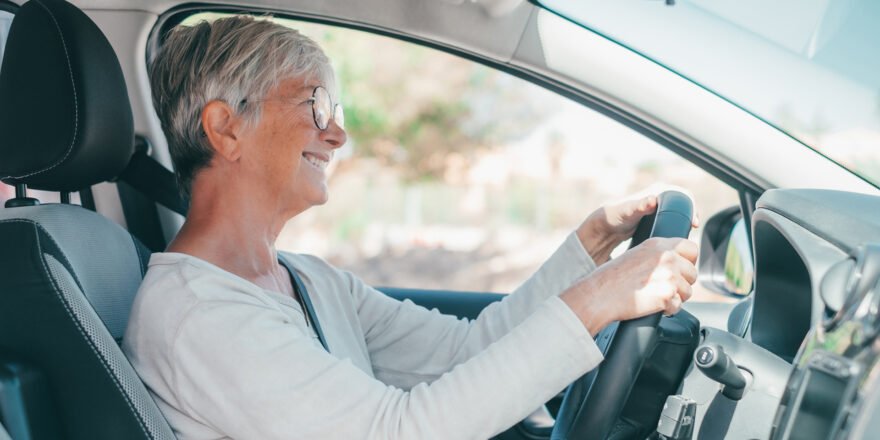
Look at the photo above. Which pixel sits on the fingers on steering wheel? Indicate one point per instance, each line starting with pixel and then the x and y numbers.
pixel 688 249
pixel 637 207
pixel 647 205
pixel 684 290
pixel 673 305
pixel 687 269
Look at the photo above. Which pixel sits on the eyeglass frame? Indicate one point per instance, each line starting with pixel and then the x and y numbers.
pixel 334 108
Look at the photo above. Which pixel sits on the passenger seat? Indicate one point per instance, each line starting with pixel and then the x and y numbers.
pixel 67 274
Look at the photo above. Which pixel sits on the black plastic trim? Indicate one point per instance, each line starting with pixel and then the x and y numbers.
pixel 87 199
pixel 462 304
pixel 717 416
pixel 781 315
pixel 748 203
pixel 845 219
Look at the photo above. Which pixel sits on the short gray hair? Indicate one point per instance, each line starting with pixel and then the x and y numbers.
pixel 231 59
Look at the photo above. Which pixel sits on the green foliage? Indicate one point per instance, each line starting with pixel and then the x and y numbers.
pixel 739 280
pixel 410 106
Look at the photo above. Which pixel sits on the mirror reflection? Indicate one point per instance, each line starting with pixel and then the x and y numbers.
pixel 739 269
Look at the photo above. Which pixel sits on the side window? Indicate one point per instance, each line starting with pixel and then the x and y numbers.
pixel 461 177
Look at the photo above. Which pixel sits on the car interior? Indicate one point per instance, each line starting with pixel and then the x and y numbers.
pixel 794 360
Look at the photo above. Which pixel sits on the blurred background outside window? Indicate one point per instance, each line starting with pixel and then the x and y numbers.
pixel 457 176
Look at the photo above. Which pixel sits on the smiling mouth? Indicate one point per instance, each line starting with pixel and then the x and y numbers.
pixel 317 162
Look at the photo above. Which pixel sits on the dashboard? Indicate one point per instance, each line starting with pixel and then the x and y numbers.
pixel 808 359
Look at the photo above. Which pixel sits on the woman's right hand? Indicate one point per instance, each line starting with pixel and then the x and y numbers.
pixel 654 276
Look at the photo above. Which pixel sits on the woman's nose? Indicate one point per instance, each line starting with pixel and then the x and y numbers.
pixel 334 135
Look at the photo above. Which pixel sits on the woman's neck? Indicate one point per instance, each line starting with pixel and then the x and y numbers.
pixel 232 229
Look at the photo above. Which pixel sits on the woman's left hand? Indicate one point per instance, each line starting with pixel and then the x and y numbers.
pixel 614 223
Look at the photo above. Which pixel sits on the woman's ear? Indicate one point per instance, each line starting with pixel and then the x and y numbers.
pixel 221 127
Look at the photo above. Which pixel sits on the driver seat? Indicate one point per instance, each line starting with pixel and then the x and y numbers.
pixel 67 274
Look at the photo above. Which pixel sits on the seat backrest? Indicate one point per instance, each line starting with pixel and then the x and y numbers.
pixel 67 281
pixel 68 275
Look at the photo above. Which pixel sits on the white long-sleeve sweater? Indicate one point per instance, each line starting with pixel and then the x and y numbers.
pixel 224 358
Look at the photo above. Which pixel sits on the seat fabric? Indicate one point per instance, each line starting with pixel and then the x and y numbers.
pixel 67 281
pixel 68 275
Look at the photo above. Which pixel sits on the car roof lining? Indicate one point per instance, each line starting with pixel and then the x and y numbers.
pixel 474 28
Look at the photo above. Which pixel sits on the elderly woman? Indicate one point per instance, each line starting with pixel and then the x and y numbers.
pixel 223 339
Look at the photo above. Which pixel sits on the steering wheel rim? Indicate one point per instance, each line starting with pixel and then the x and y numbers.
pixel 593 403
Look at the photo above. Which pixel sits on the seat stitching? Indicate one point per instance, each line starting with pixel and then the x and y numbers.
pixel 75 99
pixel 78 324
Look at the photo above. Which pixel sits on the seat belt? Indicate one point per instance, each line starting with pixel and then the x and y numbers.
pixel 153 180
pixel 303 293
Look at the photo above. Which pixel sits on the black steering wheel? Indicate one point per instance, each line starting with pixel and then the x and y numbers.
pixel 593 403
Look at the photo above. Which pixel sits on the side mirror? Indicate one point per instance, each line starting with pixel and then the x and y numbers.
pixel 739 269
pixel 725 264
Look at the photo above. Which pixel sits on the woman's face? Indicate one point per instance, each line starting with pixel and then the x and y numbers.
pixel 286 151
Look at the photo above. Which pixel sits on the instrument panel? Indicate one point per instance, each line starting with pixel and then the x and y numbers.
pixel 837 366
pixel 809 353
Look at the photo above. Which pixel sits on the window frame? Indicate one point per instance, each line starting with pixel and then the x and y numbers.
pixel 748 189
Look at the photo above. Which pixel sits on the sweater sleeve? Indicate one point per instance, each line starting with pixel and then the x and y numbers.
pixel 409 344
pixel 248 372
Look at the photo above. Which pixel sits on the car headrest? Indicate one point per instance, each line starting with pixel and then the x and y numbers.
pixel 65 119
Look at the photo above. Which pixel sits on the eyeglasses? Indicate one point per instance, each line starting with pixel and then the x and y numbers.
pixel 323 109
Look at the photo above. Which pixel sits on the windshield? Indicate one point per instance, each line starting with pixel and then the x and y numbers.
pixel 809 67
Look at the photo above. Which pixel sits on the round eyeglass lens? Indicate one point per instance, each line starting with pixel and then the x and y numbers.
pixel 322 107
pixel 339 116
